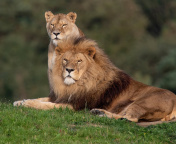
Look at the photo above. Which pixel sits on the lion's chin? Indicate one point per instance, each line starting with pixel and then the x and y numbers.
pixel 69 81
pixel 56 41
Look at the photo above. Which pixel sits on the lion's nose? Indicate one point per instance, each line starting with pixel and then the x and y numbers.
pixel 69 70
pixel 56 34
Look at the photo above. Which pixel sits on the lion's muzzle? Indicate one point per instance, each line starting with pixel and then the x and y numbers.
pixel 68 79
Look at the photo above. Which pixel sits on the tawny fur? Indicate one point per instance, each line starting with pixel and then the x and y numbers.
pixel 64 25
pixel 103 88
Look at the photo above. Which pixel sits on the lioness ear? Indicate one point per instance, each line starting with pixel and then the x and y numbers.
pixel 48 16
pixel 72 16
pixel 91 51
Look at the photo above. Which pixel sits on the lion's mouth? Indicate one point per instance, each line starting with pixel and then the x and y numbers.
pixel 56 38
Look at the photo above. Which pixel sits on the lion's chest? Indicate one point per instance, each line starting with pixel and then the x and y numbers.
pixel 51 60
pixel 88 101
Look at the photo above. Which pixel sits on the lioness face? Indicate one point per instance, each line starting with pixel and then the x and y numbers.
pixel 61 26
pixel 74 65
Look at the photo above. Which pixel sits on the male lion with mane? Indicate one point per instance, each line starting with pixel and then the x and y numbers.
pixel 84 77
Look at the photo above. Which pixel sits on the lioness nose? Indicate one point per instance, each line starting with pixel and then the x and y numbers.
pixel 69 70
pixel 56 33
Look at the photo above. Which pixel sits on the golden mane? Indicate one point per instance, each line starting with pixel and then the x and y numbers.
pixel 99 80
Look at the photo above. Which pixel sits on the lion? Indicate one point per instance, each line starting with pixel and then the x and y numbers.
pixel 59 27
pixel 84 77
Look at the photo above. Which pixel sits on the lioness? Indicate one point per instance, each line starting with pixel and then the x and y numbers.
pixel 59 27
pixel 84 77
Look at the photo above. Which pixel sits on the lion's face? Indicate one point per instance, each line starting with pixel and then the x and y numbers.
pixel 74 62
pixel 61 26
pixel 74 65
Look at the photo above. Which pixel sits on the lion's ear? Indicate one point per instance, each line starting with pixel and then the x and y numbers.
pixel 91 51
pixel 72 16
pixel 48 16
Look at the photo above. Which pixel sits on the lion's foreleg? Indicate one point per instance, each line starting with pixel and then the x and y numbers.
pixel 43 105
pixel 45 99
pixel 105 113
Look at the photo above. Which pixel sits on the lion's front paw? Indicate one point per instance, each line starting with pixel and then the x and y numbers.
pixel 18 103
pixel 22 102
pixel 98 112
pixel 28 103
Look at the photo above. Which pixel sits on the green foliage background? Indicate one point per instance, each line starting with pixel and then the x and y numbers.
pixel 138 35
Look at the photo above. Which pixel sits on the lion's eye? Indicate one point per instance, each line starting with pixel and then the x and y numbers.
pixel 65 61
pixel 52 25
pixel 79 61
pixel 64 25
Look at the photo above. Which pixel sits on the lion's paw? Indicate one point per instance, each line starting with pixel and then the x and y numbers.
pixel 22 102
pixel 98 112
pixel 28 103
pixel 19 103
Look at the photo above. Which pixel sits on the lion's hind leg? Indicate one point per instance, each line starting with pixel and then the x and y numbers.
pixel 171 116
pixel 132 113
pixel 144 111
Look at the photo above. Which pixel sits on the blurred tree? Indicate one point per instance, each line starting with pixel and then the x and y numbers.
pixel 23 50
pixel 167 71
pixel 158 12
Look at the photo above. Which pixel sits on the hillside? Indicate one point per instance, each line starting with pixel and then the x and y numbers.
pixel 25 125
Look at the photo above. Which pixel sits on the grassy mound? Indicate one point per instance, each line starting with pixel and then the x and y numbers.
pixel 25 125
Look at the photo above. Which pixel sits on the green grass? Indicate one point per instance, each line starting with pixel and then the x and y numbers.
pixel 25 125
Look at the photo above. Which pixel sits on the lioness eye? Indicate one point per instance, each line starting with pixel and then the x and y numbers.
pixel 64 25
pixel 65 60
pixel 79 61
